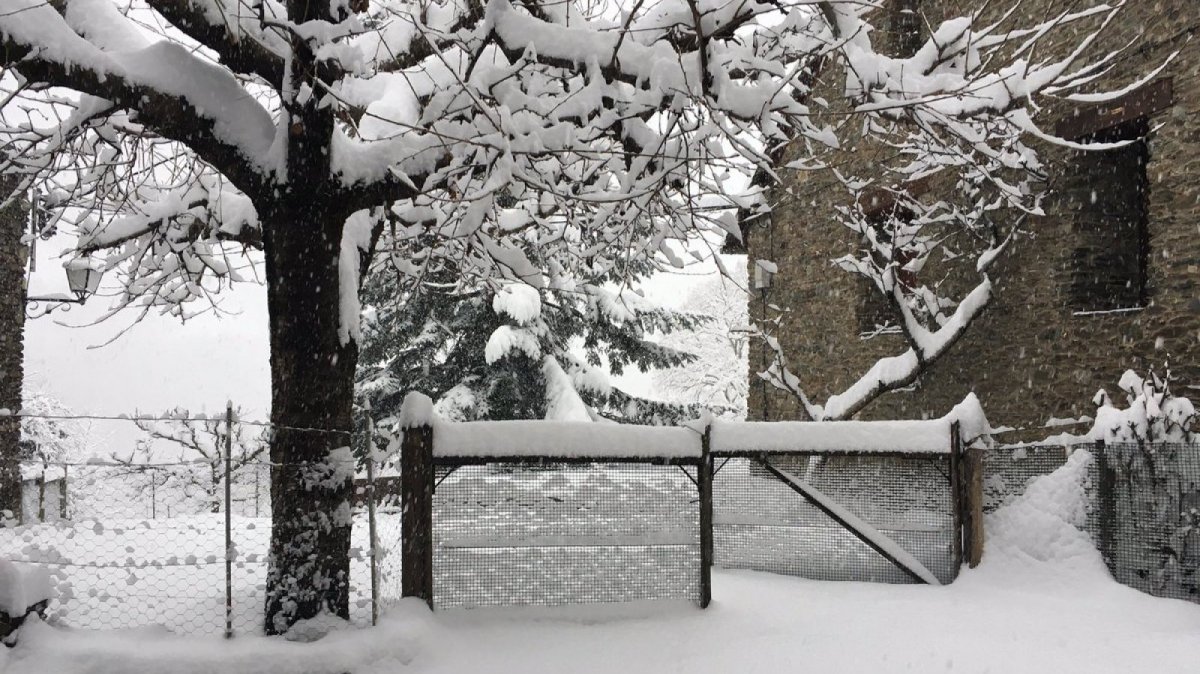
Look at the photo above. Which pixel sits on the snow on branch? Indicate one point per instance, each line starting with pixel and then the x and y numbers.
pixel 533 142
pixel 181 95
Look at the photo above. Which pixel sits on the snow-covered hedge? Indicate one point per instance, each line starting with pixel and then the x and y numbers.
pixel 1152 414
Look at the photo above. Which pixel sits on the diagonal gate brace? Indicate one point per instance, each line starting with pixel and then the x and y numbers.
pixel 874 538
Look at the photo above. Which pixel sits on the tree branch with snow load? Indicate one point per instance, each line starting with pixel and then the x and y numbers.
pixel 536 143
pixel 950 185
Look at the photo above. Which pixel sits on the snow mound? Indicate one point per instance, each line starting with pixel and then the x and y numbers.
pixel 507 339
pixel 317 627
pixel 417 410
pixel 1044 524
pixel 22 586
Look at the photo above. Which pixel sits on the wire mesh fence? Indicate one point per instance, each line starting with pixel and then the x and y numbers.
pixel 1148 517
pixel 565 533
pixel 760 523
pixel 138 537
pixel 1008 470
pixel 133 550
pixel 1145 507
pixel 141 540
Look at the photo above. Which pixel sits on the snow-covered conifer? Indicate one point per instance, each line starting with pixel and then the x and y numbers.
pixel 173 134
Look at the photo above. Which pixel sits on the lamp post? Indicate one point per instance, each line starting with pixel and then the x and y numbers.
pixel 83 278
pixel 83 273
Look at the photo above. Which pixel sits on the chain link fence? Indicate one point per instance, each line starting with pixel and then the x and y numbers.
pixel 760 523
pixel 135 540
pixel 143 542
pixel 129 554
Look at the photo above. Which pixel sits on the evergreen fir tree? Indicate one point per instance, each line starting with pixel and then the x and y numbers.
pixel 494 351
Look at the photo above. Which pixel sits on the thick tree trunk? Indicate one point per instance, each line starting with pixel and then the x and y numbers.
pixel 312 386
pixel 12 332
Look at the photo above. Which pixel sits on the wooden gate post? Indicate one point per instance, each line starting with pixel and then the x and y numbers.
pixel 704 480
pixel 957 499
pixel 416 521
pixel 973 492
pixel 62 495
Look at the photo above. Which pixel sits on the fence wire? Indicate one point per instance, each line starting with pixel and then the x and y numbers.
pixel 1145 507
pixel 132 544
pixel 522 534
pixel 135 544
pixel 760 523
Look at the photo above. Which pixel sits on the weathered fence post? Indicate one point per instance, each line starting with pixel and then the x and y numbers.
pixel 1106 504
pixel 228 519
pixel 956 495
pixel 973 539
pixel 704 480
pixel 416 521
pixel 62 495
pixel 42 494
pixel 371 530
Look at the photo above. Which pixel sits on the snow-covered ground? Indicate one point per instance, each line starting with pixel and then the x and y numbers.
pixel 1041 602
pixel 1000 618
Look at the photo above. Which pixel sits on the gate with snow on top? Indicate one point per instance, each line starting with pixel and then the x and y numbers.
pixel 548 513
pixel 876 501
pixel 503 513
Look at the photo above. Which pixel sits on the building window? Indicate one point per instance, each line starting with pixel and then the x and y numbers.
pixel 1107 194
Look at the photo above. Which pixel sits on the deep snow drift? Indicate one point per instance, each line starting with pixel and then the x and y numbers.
pixel 1042 601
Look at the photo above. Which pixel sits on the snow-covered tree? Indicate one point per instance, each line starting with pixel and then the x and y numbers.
pixel 718 377
pixel 171 133
pixel 191 452
pixel 48 431
pixel 500 351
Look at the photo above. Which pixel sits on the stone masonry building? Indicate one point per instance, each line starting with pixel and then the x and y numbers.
pixel 1108 280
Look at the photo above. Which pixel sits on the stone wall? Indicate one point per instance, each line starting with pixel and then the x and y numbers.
pixel 1032 356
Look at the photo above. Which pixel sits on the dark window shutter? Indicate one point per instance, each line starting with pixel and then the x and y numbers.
pixel 1107 197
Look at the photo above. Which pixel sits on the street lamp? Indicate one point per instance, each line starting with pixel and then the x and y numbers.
pixel 83 273
pixel 83 278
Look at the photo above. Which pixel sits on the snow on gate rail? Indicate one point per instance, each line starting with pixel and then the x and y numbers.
pixel 545 513
pixel 540 512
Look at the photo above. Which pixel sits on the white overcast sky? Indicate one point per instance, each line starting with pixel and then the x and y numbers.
pixel 162 363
